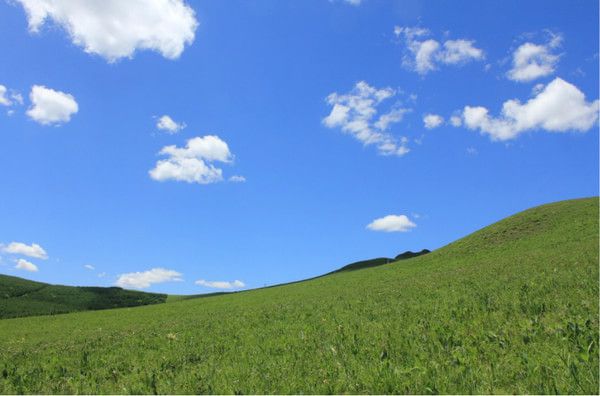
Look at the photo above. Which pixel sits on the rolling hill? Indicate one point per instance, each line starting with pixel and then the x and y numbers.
pixel 512 308
pixel 21 297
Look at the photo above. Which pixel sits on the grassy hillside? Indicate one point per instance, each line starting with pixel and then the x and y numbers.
pixel 512 308
pixel 20 297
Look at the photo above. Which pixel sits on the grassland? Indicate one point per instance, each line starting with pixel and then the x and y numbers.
pixel 20 297
pixel 512 308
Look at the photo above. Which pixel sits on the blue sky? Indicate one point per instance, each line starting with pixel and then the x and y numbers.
pixel 255 83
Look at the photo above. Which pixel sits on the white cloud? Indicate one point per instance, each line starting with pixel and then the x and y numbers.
pixel 193 163
pixel 559 107
pixel 459 51
pixel 17 97
pixel 425 55
pixel 10 99
pixel 237 179
pixel 432 121
pixel 531 61
pixel 236 284
pixel 25 265
pixel 166 123
pixel 472 151
pixel 102 274
pixel 90 267
pixel 355 113
pixel 537 88
pixel 411 33
pixel 455 121
pixel 392 117
pixel 50 106
pixel 392 223
pixel 143 280
pixel 4 100
pixel 34 250
pixel 115 29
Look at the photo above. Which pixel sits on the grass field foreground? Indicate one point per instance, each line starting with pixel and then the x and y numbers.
pixel 512 308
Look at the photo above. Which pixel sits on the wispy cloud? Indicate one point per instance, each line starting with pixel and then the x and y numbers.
pixel 532 61
pixel 237 179
pixel 236 284
pixel 356 114
pixel 425 54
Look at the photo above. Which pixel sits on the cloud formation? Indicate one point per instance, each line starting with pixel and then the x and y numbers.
pixel 51 107
pixel 4 100
pixel 116 29
pixel 455 121
pixel 432 121
pixel 532 61
pixel 236 284
pixel 425 54
pixel 88 266
pixel 34 250
pixel 558 107
pixel 392 223
pixel 356 114
pixel 167 124
pixel 143 280
pixel 237 179
pixel 25 265
pixel 193 163
pixel 10 99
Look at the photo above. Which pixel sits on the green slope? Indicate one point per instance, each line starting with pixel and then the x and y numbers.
pixel 512 308
pixel 20 297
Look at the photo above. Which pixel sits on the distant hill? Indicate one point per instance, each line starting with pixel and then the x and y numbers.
pixel 408 254
pixel 21 297
pixel 380 261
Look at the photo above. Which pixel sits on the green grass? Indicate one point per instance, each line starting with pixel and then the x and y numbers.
pixel 20 297
pixel 512 308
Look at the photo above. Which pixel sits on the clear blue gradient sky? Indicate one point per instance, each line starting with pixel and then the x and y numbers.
pixel 257 75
